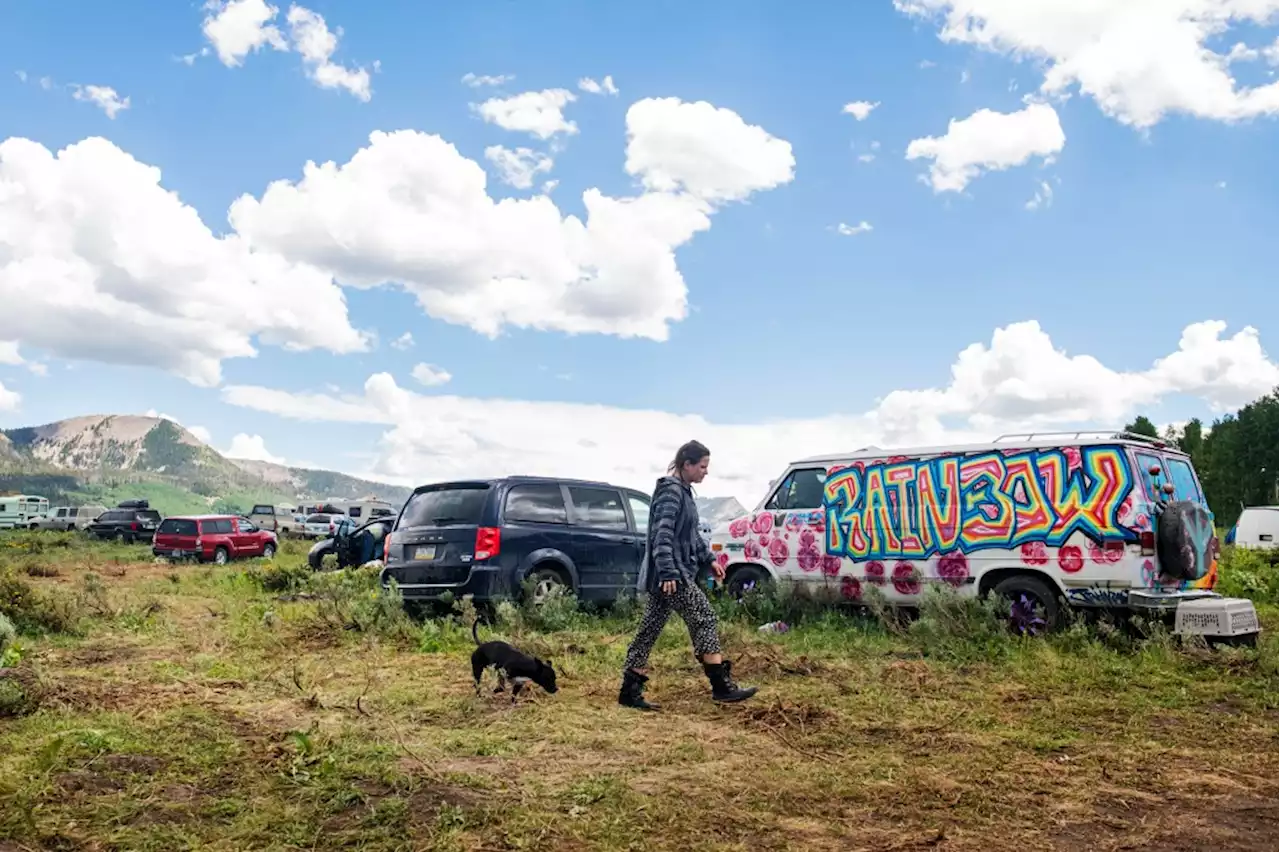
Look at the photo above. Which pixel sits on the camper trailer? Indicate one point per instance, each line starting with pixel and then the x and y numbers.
pixel 19 510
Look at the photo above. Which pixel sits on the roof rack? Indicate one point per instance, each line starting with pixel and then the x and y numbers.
pixel 1110 433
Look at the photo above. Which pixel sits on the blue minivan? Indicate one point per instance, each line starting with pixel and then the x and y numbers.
pixel 487 537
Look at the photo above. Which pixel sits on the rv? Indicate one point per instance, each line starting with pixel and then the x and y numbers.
pixel 19 510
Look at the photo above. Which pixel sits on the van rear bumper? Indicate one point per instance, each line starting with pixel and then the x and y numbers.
pixel 484 583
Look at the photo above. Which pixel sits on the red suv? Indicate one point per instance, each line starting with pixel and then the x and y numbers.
pixel 212 538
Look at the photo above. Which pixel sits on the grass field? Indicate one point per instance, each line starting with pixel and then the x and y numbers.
pixel 156 707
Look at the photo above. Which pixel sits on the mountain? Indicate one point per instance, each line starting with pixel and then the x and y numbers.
pixel 106 458
pixel 718 510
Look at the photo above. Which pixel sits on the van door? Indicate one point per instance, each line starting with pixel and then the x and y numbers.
pixel 793 545
pixel 607 551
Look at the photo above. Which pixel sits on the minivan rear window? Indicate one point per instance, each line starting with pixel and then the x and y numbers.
pixel 177 526
pixel 453 504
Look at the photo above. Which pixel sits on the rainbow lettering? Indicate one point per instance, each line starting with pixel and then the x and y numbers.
pixel 915 509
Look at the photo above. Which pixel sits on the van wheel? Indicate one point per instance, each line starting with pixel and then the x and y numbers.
pixel 745 579
pixel 1034 607
pixel 220 556
pixel 547 582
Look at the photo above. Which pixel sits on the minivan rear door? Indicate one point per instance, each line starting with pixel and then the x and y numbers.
pixel 606 548
pixel 435 536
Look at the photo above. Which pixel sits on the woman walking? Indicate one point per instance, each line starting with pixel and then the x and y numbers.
pixel 669 573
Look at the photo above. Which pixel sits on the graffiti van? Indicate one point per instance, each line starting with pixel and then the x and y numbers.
pixel 1045 521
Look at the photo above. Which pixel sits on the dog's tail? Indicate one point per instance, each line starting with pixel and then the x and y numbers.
pixel 475 625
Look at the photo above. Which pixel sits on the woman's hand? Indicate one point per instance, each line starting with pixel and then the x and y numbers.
pixel 669 587
pixel 718 570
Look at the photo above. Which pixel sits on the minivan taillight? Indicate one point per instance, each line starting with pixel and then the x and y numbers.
pixel 1147 539
pixel 488 543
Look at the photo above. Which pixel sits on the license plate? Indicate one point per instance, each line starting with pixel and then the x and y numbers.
pixel 424 553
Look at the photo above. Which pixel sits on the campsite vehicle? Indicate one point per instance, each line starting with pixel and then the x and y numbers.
pixel 66 518
pixel 1047 521
pixel 19 510
pixel 278 519
pixel 487 537
pixel 1258 528
pixel 126 523
pixel 213 538
pixel 325 525
pixel 368 509
pixel 351 546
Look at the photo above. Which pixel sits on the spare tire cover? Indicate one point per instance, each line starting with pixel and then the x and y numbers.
pixel 1186 542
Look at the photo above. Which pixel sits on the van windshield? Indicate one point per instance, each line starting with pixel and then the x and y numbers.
pixel 453 504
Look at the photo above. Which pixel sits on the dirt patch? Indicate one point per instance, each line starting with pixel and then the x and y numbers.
pixel 86 781
pixel 1234 824
pixel 771 662
pixel 799 716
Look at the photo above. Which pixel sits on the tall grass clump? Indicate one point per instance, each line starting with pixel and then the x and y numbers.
pixel 1252 574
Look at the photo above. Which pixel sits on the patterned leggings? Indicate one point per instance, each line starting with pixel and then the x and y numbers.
pixel 694 609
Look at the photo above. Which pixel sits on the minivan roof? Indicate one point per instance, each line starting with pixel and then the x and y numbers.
pixel 520 479
pixel 1020 441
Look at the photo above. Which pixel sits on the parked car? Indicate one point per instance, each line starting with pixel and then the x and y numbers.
pixel 326 525
pixel 488 537
pixel 18 510
pixel 352 546
pixel 66 518
pixel 126 524
pixel 213 538
pixel 279 519
pixel 1258 528
pixel 1048 522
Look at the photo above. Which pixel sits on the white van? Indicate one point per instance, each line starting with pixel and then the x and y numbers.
pixel 1045 520
pixel 19 510
pixel 1257 529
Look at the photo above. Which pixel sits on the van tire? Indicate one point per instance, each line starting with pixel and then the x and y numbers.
pixel 1039 593
pixel 1184 541
pixel 741 578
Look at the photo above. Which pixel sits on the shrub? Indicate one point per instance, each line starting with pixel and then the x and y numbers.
pixel 1244 573
pixel 279 577
pixel 34 612
pixel 354 599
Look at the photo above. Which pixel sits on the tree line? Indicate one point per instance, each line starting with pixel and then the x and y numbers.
pixel 1237 457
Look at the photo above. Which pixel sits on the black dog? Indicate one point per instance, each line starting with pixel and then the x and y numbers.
pixel 510 664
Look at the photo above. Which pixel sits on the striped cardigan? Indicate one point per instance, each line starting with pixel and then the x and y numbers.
pixel 675 549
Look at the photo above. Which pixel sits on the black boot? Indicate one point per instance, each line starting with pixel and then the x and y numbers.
pixel 632 692
pixel 722 686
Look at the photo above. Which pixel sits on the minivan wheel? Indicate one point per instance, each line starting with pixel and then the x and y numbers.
pixel 220 556
pixel 546 582
pixel 1034 606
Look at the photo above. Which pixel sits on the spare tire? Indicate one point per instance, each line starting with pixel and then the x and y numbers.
pixel 1186 542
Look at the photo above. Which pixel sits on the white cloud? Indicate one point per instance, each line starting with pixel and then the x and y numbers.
pixel 251 448
pixel 603 87
pixel 410 209
pixel 404 342
pixel 866 158
pixel 189 59
pixel 852 230
pixel 237 28
pixel 964 76
pixel 202 434
pixel 540 114
pixel 9 400
pixel 21 75
pixel 1138 60
pixel 9 355
pixel 860 109
pixel 37 368
pixel 1222 184
pixel 313 40
pixel 708 152
pixel 46 83
pixel 99 262
pixel 518 167
pixel 1043 197
pixel 928 63
pixel 240 27
pixel 988 141
pixel 103 97
pixel 1017 382
pixel 430 375
pixel 477 80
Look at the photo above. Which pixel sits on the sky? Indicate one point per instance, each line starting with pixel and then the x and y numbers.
pixel 419 241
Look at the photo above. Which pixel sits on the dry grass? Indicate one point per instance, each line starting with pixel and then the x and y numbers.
pixel 197 711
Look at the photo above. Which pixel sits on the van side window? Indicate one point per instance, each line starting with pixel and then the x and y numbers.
pixel 354 511
pixel 538 504
pixel 1184 481
pixel 802 489
pixel 1151 484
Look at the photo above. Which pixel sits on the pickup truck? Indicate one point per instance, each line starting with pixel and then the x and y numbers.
pixel 278 519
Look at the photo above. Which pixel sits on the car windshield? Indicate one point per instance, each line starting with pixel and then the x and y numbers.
pixel 453 504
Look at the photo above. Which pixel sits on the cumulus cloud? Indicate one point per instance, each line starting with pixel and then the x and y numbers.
pixel 251 448
pixel 430 375
pixel 104 98
pixel 601 87
pixel 475 81
pixel 988 141
pixel 1138 61
pixel 99 262
pixel 1016 382
pixel 236 28
pixel 860 109
pixel 202 434
pixel 1043 197
pixel 404 342
pixel 518 167
pixel 9 400
pixel 539 114
pixel 706 151
pixel 852 230
pixel 9 353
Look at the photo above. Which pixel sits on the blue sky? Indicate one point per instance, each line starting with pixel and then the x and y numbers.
pixel 1149 229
